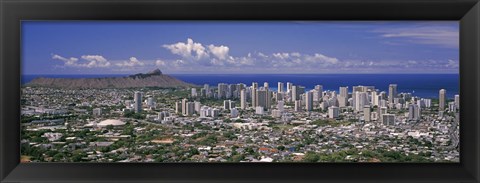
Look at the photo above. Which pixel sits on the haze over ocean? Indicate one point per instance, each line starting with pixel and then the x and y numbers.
pixel 422 85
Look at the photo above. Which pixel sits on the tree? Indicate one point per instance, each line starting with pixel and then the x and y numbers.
pixel 109 127
pixel 311 157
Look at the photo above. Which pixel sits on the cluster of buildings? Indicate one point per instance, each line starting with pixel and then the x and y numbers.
pixel 263 124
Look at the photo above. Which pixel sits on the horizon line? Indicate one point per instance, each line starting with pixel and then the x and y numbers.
pixel 238 74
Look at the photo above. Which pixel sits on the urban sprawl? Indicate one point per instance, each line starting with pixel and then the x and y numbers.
pixel 237 123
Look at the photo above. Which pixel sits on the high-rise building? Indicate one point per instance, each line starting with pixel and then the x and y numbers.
pixel 309 101
pixel 442 98
pixel 215 113
pixel 457 101
pixel 259 110
pixel 265 85
pixel 190 108
pixel 360 100
pixel 298 105
pixel 289 86
pixel 226 104
pixel 184 106
pixel 254 98
pixel 197 107
pixel 243 99
pixel 138 102
pixel 280 106
pixel 194 92
pixel 262 98
pixel 222 90
pixel 333 112
pixel 294 91
pixel 150 102
pixel 268 99
pixel 178 107
pixel 319 93
pixel 234 113
pixel 388 119
pixel 344 92
pixel 231 93
pixel 452 107
pixel 357 89
pixel 301 90
pixel 276 113
pixel 366 113
pixel 255 85
pixel 413 112
pixel 280 87
pixel 392 92
pixel 374 97
pixel 381 112
pixel 254 94
pixel 342 101
pixel 206 87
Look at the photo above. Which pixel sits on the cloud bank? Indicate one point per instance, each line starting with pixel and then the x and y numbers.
pixel 195 57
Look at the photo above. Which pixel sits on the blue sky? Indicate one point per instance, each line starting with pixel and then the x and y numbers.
pixel 127 47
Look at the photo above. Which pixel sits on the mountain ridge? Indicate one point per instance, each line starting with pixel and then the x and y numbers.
pixel 153 78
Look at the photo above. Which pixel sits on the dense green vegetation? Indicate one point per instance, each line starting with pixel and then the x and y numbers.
pixel 354 155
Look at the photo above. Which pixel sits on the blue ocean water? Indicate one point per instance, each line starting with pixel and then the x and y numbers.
pixel 422 85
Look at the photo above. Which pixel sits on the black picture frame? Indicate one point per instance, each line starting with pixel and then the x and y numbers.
pixel 12 12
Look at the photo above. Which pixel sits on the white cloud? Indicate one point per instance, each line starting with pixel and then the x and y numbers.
pixel 320 58
pixel 188 50
pixel 131 63
pixel 92 61
pixel 68 61
pixel 281 55
pixel 160 63
pixel 95 61
pixel 432 35
pixel 221 52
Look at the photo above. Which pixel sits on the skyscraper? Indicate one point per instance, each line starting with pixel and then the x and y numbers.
pixel 194 92
pixel 294 93
pixel 413 112
pixel 280 87
pixel 374 98
pixel 254 98
pixel 442 99
pixel 309 101
pixel 344 91
pixel 207 88
pixel 457 101
pixel 319 92
pixel 333 112
pixel 184 106
pixel 222 90
pixel 178 107
pixel 366 113
pixel 261 98
pixel 190 108
pixel 298 105
pixel 392 92
pixel 360 100
pixel 243 99
pixel 388 119
pixel 226 104
pixel 138 102
pixel 254 94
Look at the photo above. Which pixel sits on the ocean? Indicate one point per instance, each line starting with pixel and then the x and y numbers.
pixel 422 85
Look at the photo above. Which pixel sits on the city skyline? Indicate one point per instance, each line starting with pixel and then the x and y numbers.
pixel 219 47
